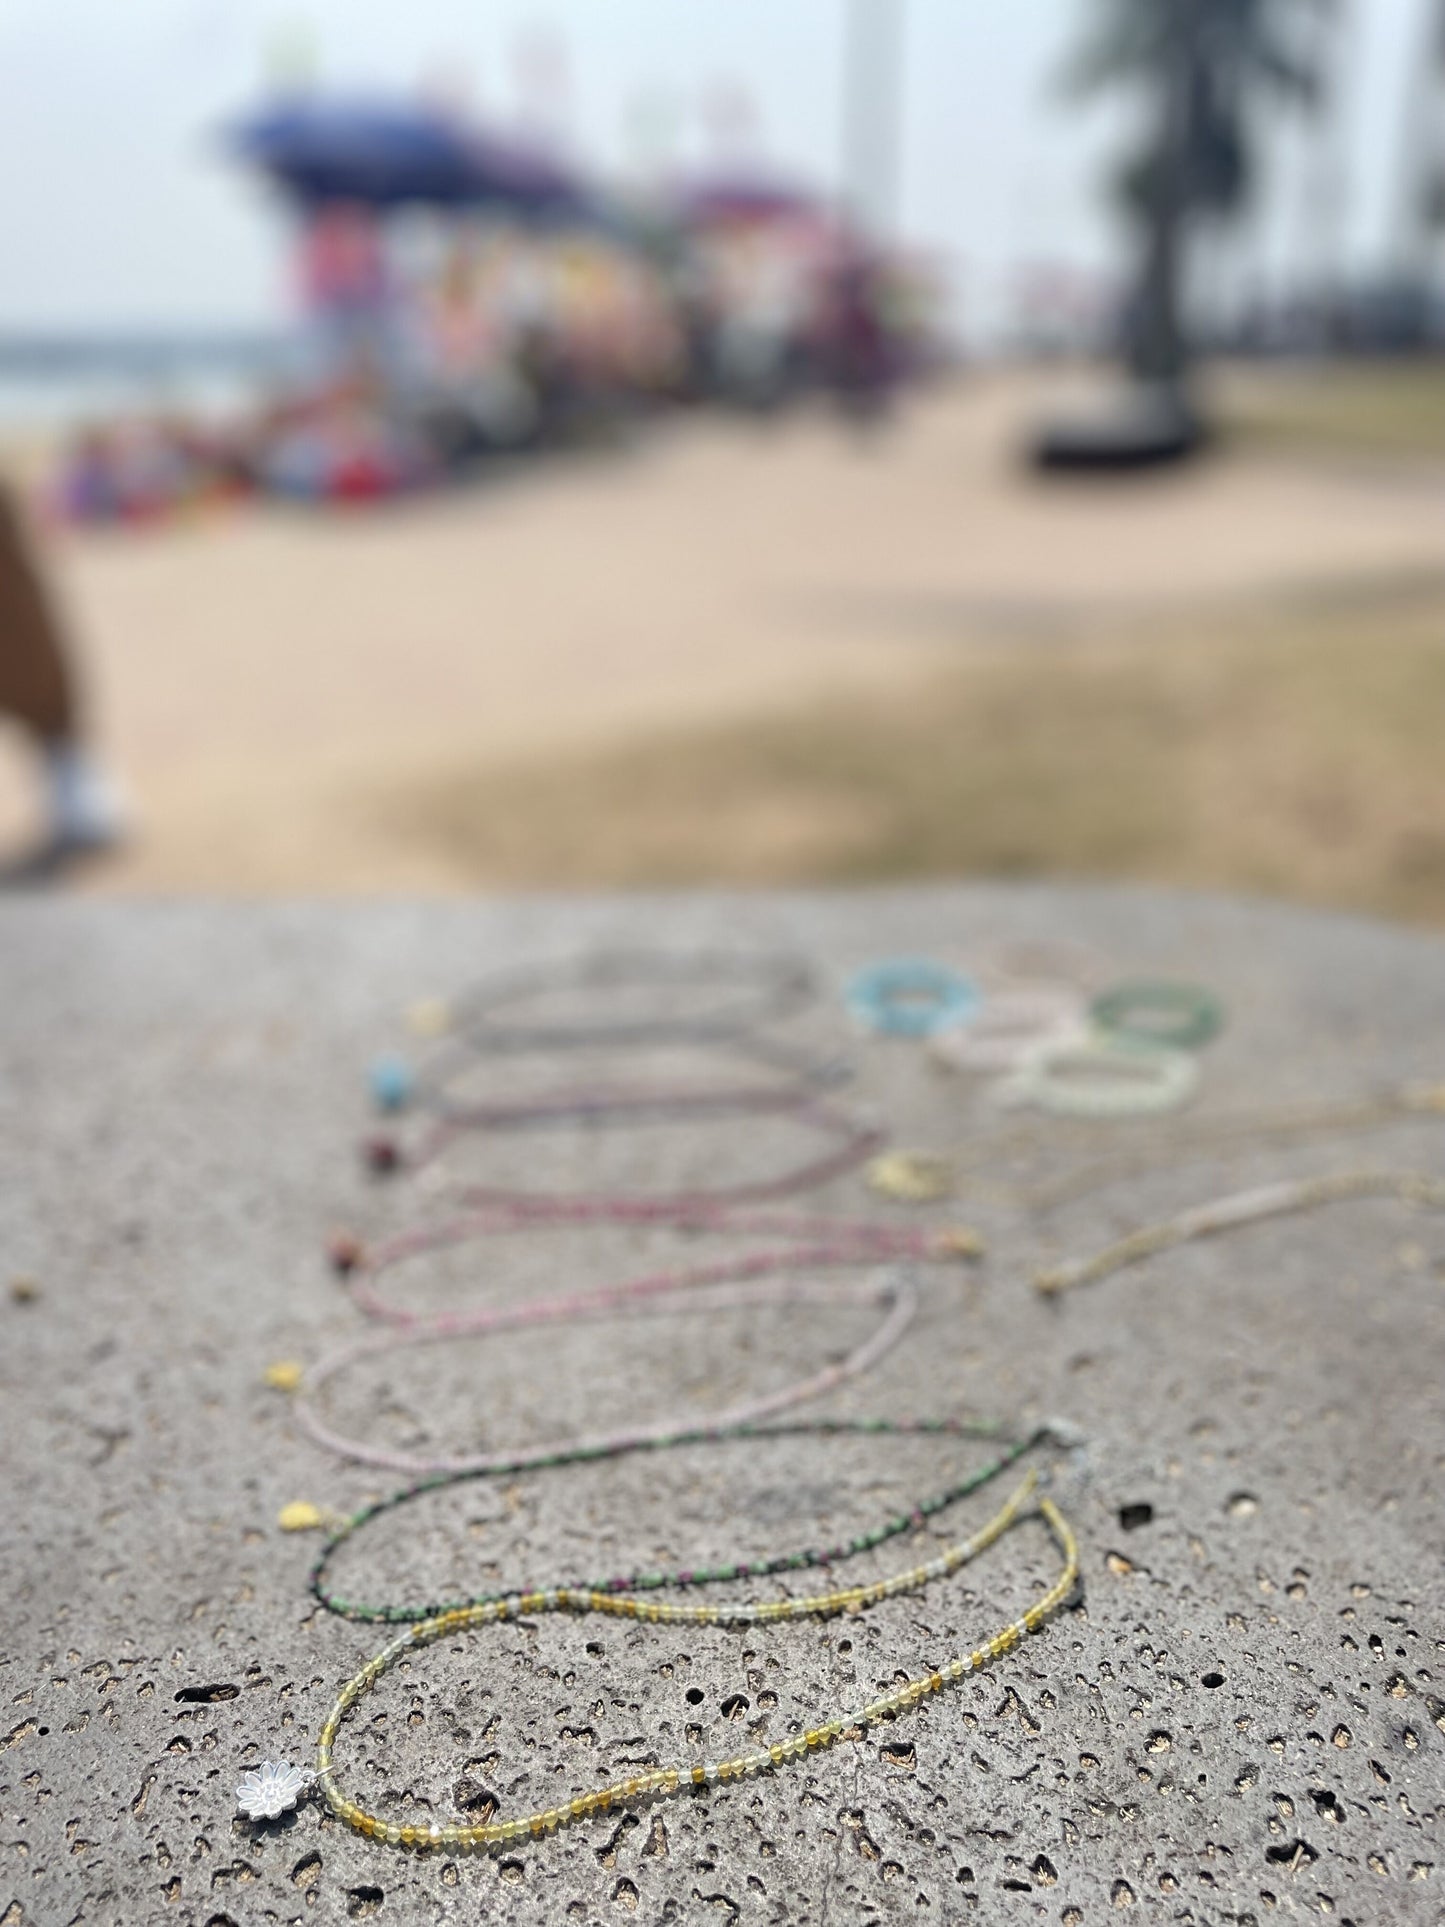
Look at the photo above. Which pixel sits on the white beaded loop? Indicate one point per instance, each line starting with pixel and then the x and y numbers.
pixel 1010 1024
pixel 1068 962
pixel 1100 1076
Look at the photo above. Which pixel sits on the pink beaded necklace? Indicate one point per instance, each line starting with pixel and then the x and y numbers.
pixel 817 1242
pixel 894 1291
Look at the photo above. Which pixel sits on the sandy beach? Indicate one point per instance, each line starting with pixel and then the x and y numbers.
pixel 265 680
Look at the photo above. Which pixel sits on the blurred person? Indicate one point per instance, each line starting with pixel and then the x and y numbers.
pixel 38 688
pixel 348 288
pixel 856 350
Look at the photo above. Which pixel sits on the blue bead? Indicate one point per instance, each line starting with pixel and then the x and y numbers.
pixel 391 1083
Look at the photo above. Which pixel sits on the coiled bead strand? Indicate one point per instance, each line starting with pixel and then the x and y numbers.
pixel 661 1782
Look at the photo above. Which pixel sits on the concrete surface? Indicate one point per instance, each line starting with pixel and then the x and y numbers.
pixel 1240 1723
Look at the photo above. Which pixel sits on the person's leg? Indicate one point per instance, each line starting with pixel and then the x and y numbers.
pixel 37 687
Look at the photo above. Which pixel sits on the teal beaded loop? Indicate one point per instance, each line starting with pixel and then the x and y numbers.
pixel 1173 1015
pixel 1012 1449
pixel 911 997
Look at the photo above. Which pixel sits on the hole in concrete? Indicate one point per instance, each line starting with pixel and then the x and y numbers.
pixel 1212 1680
pixel 1131 1517
pixel 362 1902
pixel 475 1800
pixel 734 1706
pixel 693 1696
pixel 207 1695
pixel 1242 1505
pixel 1292 1853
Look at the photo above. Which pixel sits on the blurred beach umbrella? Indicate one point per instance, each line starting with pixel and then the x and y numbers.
pixel 383 154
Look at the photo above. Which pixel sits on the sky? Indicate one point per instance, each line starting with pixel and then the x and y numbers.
pixel 119 206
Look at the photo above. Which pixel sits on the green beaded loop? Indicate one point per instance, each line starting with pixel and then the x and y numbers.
pixel 1176 1016
pixel 390 1613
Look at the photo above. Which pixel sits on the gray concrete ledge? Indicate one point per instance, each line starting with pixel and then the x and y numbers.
pixel 1242 1722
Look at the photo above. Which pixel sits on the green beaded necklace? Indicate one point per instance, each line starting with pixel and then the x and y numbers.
pixel 801 1560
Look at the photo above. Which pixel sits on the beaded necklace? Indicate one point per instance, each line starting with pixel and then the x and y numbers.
pixel 910 1519
pixel 857 1139
pixel 818 1241
pixel 660 1782
pixel 895 1292
pixel 1200 1136
pixel 1241 1208
pixel 762 989
pixel 395 1086
pixel 919 1175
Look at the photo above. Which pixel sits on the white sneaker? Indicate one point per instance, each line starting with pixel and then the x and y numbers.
pixel 86 812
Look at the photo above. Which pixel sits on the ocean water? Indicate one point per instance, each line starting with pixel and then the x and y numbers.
pixel 53 384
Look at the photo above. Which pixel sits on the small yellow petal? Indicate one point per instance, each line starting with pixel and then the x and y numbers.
pixel 285 1375
pixel 911 1176
pixel 300 1516
pixel 429 1017
pixel 961 1241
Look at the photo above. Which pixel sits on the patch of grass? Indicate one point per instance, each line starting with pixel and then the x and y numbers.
pixel 1297 753
pixel 1341 408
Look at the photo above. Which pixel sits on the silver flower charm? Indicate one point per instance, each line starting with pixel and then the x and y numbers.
pixel 271 1789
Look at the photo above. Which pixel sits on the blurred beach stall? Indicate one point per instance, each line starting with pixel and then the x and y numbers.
pixel 464 298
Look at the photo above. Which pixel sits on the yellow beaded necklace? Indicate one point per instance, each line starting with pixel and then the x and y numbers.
pixel 1241 1208
pixel 660 1782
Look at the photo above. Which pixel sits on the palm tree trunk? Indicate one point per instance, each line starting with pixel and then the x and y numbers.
pixel 1158 345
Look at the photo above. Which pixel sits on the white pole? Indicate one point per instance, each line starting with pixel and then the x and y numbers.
pixel 872 112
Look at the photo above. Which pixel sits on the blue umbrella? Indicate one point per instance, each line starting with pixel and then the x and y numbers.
pixel 386 155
